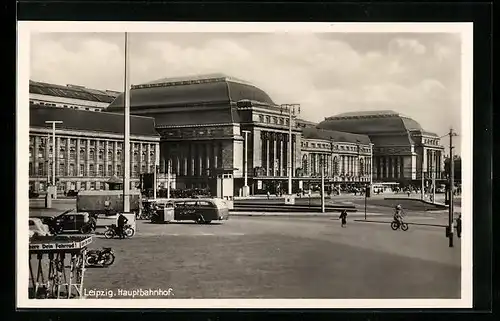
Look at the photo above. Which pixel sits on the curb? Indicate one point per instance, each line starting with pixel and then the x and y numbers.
pixel 302 214
pixel 409 223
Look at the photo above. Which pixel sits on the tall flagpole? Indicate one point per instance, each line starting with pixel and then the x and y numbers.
pixel 126 141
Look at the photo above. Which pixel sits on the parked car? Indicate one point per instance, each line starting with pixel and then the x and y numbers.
pixel 37 227
pixel 33 194
pixel 72 193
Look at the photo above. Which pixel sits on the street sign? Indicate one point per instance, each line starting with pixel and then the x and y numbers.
pixel 259 184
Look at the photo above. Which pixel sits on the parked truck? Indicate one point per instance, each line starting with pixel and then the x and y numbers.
pixel 107 202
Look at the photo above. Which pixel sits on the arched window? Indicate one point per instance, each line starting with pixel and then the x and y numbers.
pixel 82 154
pixel 101 155
pixel 110 156
pixel 61 153
pixel 92 154
pixel 72 154
pixel 335 166
pixel 91 170
pixel 361 167
pixel 143 158
pixel 119 155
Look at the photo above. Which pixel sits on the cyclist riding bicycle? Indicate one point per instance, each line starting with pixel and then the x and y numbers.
pixel 398 214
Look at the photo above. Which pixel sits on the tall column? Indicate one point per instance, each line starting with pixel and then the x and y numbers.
pixel 282 161
pixel 68 160
pixel 268 155
pixel 87 158
pixel 424 165
pixel 191 159
pixel 387 168
pixel 185 156
pixel 216 154
pixel 106 160
pixel 396 167
pixel 141 162
pixel 207 161
pixel 36 145
pixel 115 157
pixel 148 158
pixel 57 153
pixel 274 155
pixel 200 160
pixel 77 162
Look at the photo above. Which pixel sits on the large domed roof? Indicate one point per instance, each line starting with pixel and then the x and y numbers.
pixel 212 89
pixel 371 122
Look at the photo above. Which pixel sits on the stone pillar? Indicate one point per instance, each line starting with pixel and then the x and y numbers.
pixel 35 156
pixel 216 155
pixel 87 159
pixel 268 155
pixel 207 161
pixel 115 157
pixel 191 160
pixel 77 157
pixel 106 161
pixel 282 169
pixel 257 147
pixel 56 151
pixel 200 160
pixel 424 164
pixel 68 160
pixel 396 167
pixel 148 158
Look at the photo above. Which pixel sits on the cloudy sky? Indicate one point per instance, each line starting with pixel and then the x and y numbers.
pixel 327 73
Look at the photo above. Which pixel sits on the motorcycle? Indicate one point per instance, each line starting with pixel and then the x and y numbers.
pixel 100 258
pixel 146 214
pixel 396 224
pixel 88 228
pixel 112 231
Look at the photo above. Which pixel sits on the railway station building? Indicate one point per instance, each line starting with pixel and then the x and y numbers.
pixel 200 128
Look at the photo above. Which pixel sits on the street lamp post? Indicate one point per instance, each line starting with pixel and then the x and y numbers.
pixel 126 138
pixel 54 122
pixel 245 167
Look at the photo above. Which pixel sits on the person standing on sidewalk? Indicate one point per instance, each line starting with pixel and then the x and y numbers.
pixel 459 225
pixel 343 218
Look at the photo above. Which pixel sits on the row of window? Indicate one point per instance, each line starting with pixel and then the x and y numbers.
pixel 93 170
pixel 326 145
pixel 63 105
pixel 93 143
pixel 92 155
pixel 431 141
pixel 274 120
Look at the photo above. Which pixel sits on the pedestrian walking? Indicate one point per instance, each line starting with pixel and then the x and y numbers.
pixel 459 225
pixel 268 194
pixel 343 218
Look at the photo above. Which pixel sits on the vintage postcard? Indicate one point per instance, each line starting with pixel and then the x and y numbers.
pixel 244 165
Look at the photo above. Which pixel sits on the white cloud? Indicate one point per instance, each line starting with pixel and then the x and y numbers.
pixel 326 76
pixel 406 46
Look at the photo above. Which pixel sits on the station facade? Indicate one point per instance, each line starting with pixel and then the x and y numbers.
pixel 88 148
pixel 204 127
pixel 403 151
pixel 203 123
